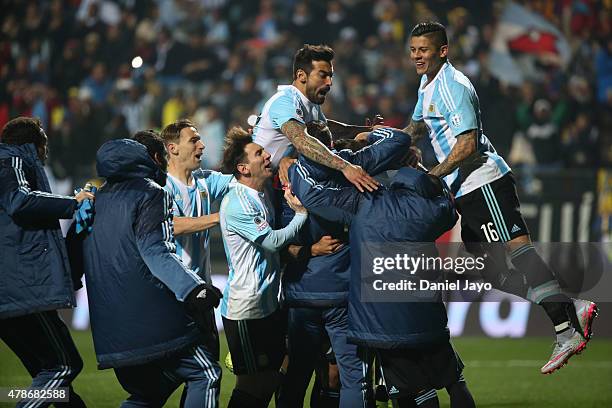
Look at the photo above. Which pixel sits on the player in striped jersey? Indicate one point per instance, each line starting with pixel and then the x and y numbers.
pixel 253 324
pixel 448 110
pixel 192 191
pixel 281 127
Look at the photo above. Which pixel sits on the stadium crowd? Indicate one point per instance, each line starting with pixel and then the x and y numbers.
pixel 95 70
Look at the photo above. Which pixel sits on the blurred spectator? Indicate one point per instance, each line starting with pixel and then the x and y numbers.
pixel 173 109
pixel 603 65
pixel 98 84
pixel 580 143
pixel 543 135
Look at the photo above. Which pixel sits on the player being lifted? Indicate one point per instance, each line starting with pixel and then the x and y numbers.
pixel 448 111
pixel 281 126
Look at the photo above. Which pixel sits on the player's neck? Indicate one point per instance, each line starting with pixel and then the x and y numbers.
pixel 430 77
pixel 182 174
pixel 300 87
pixel 253 183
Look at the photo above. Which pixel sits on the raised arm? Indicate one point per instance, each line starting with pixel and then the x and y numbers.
pixel 21 202
pixel 463 148
pixel 316 151
pixel 329 201
pixel 386 148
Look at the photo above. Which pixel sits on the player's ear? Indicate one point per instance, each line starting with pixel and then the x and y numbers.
pixel 301 76
pixel 172 148
pixel 443 51
pixel 243 169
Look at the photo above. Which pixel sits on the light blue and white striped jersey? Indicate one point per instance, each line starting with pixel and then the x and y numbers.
pixel 254 274
pixel 449 106
pixel 194 201
pixel 287 103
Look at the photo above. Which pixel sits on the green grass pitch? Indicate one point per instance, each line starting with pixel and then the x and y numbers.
pixel 500 373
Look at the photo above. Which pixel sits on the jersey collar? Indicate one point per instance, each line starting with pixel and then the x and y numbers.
pixel 438 75
pixel 250 189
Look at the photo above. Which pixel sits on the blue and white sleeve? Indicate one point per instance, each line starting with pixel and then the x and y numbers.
pixel 218 184
pixel 282 110
pixel 246 219
pixel 460 110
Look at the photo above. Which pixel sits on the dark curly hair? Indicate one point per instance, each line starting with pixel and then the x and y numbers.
pixel 23 130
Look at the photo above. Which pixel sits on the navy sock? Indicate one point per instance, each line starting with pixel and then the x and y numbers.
pixel 544 288
pixel 460 396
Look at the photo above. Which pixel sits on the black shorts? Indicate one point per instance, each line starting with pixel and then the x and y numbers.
pixel 491 213
pixel 408 372
pixel 256 345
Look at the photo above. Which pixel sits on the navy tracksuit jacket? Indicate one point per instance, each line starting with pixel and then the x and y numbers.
pixel 410 209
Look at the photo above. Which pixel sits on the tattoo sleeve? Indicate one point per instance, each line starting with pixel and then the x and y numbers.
pixel 311 147
pixel 416 129
pixel 464 148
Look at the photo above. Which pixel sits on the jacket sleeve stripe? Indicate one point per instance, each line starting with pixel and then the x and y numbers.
pixel 21 180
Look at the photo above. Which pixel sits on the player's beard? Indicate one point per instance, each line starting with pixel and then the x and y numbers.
pixel 313 95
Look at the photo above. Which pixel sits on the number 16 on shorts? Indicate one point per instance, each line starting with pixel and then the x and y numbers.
pixel 489 232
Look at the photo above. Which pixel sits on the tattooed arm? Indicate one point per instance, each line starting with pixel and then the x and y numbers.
pixel 416 129
pixel 311 147
pixel 316 151
pixel 464 148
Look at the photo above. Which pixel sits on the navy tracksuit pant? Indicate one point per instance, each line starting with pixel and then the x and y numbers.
pixel 151 384
pixel 307 329
pixel 44 345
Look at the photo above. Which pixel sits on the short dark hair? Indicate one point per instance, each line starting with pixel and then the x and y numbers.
pixel 152 141
pixel 233 153
pixel 23 130
pixel 433 30
pixel 172 132
pixel 320 131
pixel 304 56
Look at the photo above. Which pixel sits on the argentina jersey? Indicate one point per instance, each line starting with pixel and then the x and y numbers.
pixel 195 201
pixel 254 273
pixel 287 103
pixel 449 106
